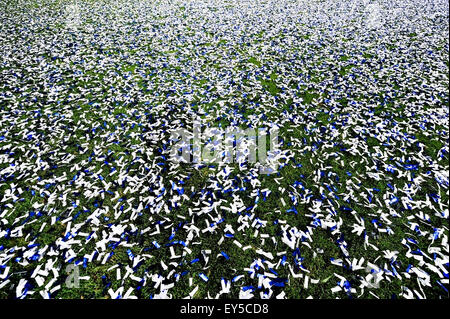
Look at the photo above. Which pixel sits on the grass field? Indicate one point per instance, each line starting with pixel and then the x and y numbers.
pixel 91 91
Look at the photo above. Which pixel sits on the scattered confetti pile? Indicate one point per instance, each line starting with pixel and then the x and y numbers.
pixel 91 206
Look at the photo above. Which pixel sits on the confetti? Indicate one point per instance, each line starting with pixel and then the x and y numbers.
pixel 100 190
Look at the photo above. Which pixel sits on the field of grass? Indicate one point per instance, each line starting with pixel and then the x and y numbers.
pixel 91 91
